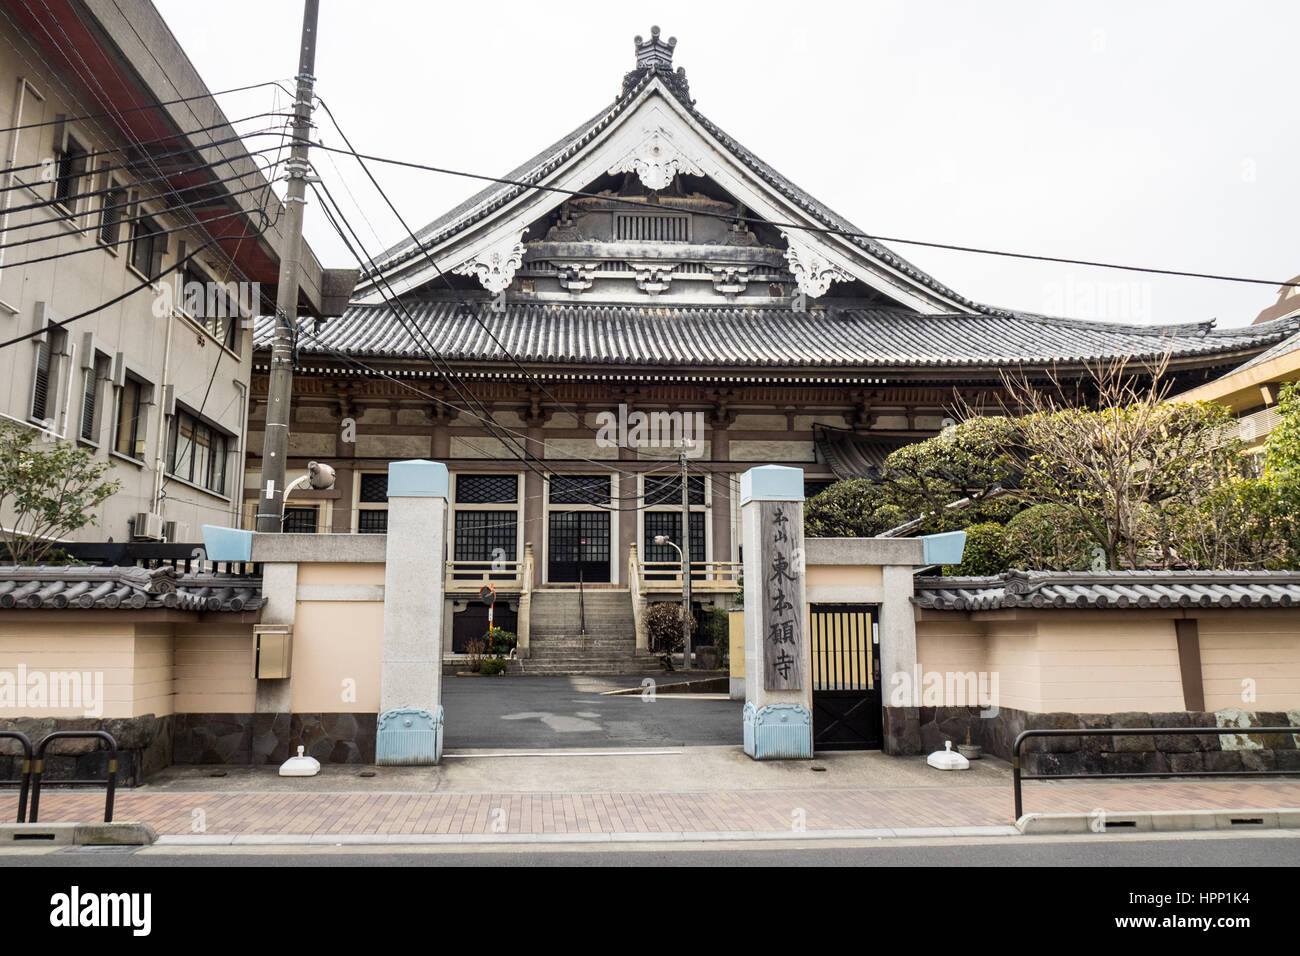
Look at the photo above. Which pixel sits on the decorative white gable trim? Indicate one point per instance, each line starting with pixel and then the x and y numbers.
pixel 495 266
pixel 656 160
pixel 813 272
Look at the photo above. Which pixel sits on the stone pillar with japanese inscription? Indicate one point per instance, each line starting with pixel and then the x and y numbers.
pixel 410 693
pixel 778 684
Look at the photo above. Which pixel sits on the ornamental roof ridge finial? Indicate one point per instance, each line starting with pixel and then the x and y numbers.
pixel 655 54
pixel 655 57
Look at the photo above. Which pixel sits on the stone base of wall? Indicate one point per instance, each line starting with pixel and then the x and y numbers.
pixel 148 744
pixel 923 730
pixel 144 747
pixel 259 739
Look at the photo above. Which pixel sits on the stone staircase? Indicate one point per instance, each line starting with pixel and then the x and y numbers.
pixel 558 646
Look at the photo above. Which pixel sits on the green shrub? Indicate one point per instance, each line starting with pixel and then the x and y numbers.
pixel 664 625
pixel 985 553
pixel 1050 537
pixel 500 642
pixel 493 665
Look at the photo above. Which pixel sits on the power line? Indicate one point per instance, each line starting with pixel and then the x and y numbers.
pixel 670 465
pixel 171 137
pixel 125 220
pixel 446 281
pixel 136 109
pixel 161 232
pixel 413 329
pixel 823 230
pixel 149 281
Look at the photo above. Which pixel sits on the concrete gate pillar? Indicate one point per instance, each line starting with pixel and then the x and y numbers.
pixel 778 659
pixel 410 696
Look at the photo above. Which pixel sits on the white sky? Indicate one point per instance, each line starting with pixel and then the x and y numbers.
pixel 1156 134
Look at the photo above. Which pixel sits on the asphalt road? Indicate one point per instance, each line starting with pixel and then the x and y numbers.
pixel 1175 851
pixel 547 713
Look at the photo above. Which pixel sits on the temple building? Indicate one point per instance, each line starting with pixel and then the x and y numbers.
pixel 642 288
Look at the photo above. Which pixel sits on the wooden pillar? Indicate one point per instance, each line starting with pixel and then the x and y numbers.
pixel 1189 664
pixel 720 492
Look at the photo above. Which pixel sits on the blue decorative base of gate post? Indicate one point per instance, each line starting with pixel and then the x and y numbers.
pixel 778 732
pixel 409 736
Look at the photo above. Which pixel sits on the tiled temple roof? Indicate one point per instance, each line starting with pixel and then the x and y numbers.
pixel 1110 589
pixel 762 337
pixel 126 588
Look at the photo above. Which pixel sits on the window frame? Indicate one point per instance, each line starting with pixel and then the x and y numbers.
pixel 143 391
pixel 202 434
pixel 77 157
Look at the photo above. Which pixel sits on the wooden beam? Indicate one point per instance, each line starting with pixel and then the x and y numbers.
pixel 1189 664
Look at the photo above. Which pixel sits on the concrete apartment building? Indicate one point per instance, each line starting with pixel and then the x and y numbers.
pixel 149 221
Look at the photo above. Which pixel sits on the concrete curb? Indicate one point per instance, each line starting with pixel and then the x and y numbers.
pixel 677 836
pixel 77 834
pixel 1104 821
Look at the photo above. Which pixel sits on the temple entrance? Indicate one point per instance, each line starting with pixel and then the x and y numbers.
pixel 846 677
pixel 578 547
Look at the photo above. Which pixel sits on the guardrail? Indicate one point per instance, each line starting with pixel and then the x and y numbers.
pixel 469 576
pixel 38 766
pixel 1017 776
pixel 24 782
pixel 706 576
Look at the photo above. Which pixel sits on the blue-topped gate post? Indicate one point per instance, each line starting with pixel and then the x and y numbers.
pixel 410 696
pixel 778 660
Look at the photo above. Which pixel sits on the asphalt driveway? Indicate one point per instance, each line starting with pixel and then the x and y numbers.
pixel 552 712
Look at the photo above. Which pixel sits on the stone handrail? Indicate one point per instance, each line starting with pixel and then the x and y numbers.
pixel 635 586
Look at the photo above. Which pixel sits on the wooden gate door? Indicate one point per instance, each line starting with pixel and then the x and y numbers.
pixel 846 677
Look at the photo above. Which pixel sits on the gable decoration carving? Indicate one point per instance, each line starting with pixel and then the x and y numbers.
pixel 495 266
pixel 656 160
pixel 812 271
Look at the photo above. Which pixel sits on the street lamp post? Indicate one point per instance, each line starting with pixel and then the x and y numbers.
pixel 686 600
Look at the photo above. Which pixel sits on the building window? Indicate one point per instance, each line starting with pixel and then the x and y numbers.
pixel 213 305
pixel 129 437
pixel 486 489
pixel 372 521
pixel 146 247
pixel 196 452
pixel 44 380
pixel 372 503
pixel 486 535
pixel 300 520
pixel 667 489
pixel 580 489
pixel 110 215
pixel 90 388
pixel 670 523
pixel 69 165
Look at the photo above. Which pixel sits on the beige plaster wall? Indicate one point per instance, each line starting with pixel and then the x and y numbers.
pixel 1257 653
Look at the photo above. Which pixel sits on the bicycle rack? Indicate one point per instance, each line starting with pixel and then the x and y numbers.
pixel 38 767
pixel 24 783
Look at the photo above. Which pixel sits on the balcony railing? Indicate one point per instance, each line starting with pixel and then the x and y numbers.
pixel 467 577
pixel 711 577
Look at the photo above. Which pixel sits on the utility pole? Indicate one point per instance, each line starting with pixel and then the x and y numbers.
pixel 686 568
pixel 275 441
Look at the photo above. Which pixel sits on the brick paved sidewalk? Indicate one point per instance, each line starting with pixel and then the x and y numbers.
pixel 173 813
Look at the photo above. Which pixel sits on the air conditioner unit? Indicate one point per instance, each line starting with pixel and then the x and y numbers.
pixel 169 531
pixel 148 527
